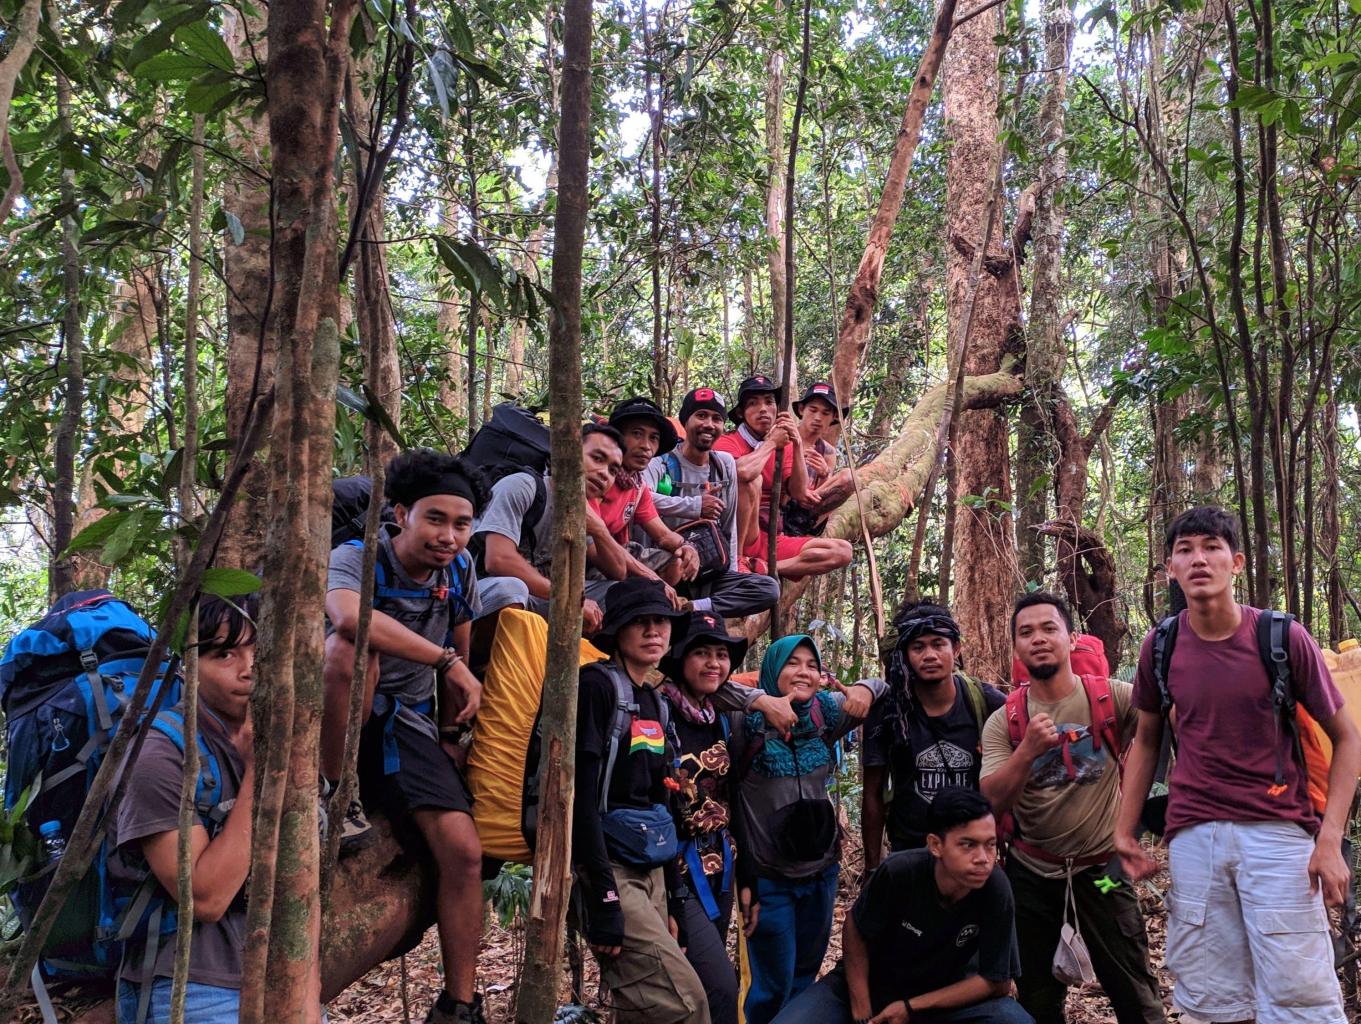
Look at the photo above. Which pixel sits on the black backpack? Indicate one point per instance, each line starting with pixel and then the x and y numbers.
pixel 350 497
pixel 512 441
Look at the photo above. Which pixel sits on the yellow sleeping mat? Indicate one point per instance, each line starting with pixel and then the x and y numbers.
pixel 511 691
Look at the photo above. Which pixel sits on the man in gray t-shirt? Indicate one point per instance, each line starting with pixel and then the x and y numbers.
pixel 517 568
pixel 702 485
pixel 420 694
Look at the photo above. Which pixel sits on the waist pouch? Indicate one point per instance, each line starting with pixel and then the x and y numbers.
pixel 709 543
pixel 640 838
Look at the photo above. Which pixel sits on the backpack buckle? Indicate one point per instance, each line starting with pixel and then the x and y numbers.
pixel 439 593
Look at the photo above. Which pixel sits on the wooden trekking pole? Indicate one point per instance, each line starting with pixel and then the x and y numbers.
pixel 786 374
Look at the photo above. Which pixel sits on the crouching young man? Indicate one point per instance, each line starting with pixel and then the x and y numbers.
pixel 932 936
pixel 146 837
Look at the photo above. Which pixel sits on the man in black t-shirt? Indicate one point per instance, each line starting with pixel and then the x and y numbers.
pixel 925 735
pixel 932 936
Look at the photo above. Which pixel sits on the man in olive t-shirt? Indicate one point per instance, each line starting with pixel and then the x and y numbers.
pixel 1062 787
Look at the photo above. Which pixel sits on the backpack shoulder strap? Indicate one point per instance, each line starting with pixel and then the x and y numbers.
pixel 530 527
pixel 625 709
pixel 973 694
pixel 1273 631
pixel 1164 640
pixel 1102 704
pixel 1018 714
pixel 208 802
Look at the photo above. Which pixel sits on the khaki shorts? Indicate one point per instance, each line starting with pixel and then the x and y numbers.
pixel 1245 936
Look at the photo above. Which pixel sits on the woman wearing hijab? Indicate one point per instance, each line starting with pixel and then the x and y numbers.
pixel 787 826
pixel 698 665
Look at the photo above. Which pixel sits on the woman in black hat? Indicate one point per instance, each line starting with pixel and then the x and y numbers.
pixel 699 664
pixel 624 846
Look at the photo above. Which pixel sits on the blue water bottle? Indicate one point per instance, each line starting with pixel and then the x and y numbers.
pixel 52 839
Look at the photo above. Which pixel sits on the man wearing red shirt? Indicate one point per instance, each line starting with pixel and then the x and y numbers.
pixel 761 429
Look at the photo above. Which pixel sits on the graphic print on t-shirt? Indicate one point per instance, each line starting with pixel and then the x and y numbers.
pixel 645 737
pixel 1051 769
pixel 942 764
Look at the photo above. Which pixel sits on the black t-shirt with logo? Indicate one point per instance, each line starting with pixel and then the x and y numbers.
pixel 941 751
pixel 917 943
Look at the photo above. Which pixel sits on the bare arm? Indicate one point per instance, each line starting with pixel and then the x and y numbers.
pixel 1003 786
pixel 220 865
pixel 662 537
pixel 856 959
pixel 386 634
pixel 968 992
pixel 1140 766
pixel 872 814
pixel 605 553
pixel 1327 866
pixel 503 558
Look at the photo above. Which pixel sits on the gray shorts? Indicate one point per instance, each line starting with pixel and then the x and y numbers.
pixel 1245 936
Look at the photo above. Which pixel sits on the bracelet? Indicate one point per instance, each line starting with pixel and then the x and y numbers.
pixel 448 657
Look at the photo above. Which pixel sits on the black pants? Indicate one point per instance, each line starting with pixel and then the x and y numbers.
pixel 1113 929
pixel 707 951
pixel 735 595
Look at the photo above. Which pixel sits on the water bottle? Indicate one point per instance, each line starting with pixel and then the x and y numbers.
pixel 52 839
pixel 664 485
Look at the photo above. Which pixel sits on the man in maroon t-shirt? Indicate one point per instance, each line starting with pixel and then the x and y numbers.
pixel 1252 865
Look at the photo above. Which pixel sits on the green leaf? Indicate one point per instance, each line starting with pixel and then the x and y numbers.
pixel 234 227
pixel 171 67
pixel 96 533
pixel 377 412
pixel 204 97
pixel 202 40
pixel 223 582
pixel 123 539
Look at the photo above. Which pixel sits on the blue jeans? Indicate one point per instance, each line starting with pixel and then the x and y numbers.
pixel 784 954
pixel 203 1004
pixel 829 1002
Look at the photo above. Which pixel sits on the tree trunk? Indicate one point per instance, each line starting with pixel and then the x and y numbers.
pixel 1330 526
pixel 453 394
pixel 775 193
pixel 538 996
pixel 23 36
pixel 863 296
pixel 309 56
pixel 1045 349
pixel 252 347
pixel 985 544
pixel 62 571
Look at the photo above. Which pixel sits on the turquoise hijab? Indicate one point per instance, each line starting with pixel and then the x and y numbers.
pixel 777 757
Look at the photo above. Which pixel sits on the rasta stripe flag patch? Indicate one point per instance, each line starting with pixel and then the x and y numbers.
pixel 646 737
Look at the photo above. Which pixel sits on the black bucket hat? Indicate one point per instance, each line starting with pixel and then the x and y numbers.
pixel 824 390
pixel 632 599
pixel 702 628
pixel 641 408
pixel 756 384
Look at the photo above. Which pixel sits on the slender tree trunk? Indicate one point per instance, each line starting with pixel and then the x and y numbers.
pixel 309 55
pixel 62 570
pixel 863 296
pixel 453 391
pixel 985 544
pixel 749 322
pixel 251 345
pixel 538 997
pixel 1331 527
pixel 775 192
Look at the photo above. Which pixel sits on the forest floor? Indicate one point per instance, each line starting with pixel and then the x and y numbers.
pixel 377 998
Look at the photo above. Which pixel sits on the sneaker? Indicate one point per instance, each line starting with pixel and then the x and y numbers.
pixel 355 830
pixel 460 1013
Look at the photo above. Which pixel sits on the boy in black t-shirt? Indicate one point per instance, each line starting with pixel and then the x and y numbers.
pixel 924 735
pixel 932 936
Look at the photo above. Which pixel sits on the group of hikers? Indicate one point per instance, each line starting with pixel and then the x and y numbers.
pixel 696 796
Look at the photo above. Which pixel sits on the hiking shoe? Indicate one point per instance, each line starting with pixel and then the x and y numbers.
pixel 355 830
pixel 450 1011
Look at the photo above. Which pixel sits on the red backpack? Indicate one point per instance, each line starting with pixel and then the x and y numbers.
pixel 1104 729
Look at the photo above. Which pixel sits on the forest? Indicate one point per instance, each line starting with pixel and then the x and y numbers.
pixel 1071 267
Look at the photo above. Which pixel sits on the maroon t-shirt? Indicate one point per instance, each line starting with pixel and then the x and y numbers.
pixel 1226 732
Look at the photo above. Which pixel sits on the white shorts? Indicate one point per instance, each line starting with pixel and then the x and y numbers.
pixel 1245 936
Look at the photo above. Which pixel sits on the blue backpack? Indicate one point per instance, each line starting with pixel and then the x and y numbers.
pixel 64 684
